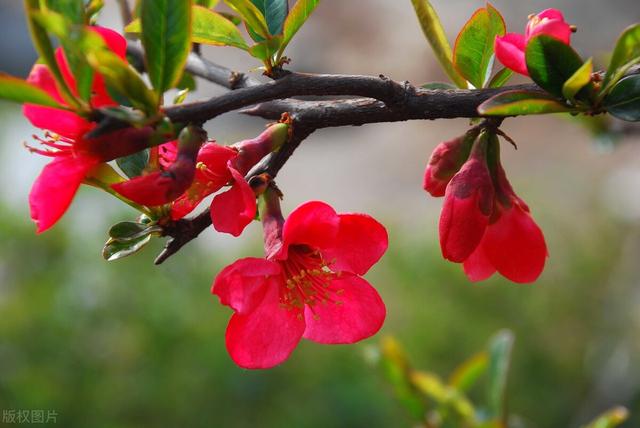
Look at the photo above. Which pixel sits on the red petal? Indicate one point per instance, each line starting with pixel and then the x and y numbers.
pixel 151 190
pixel 357 312
pixel 61 122
pixel 445 161
pixel 61 59
pixel 242 285
pixel 360 243
pixel 234 209
pixel 216 158
pixel 478 267
pixel 167 153
pixel 266 336
pixel 55 187
pixel 554 28
pixel 510 52
pixel 551 14
pixel 466 210
pixel 515 245
pixel 435 186
pixel 100 98
pixel 190 199
pixel 313 223
pixel 114 40
pixel 461 227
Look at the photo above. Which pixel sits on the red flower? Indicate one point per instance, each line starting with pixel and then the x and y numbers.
pixel 485 225
pixel 74 157
pixel 309 285
pixel 216 166
pixel 231 211
pixel 510 48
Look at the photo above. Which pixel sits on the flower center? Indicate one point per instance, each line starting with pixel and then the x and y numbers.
pixel 54 144
pixel 307 279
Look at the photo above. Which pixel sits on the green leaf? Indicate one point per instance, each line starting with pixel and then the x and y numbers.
pixel 71 35
pixel 625 54
pixel 134 27
pixel 438 85
pixel 114 249
pixel 43 47
pixel 274 12
pixel 92 9
pixel 72 10
pixel 515 103
pixel 209 4
pixel 267 49
pixel 473 53
pixel 623 101
pixel 128 230
pixel 80 68
pixel 214 29
pixel 580 79
pixel 134 164
pixel 430 385
pixel 252 17
pixel 500 347
pixel 187 82
pixel 166 37
pixel 611 419
pixel 551 63
pixel 54 23
pixel 397 371
pixel 231 17
pixel 207 29
pixel 467 373
pixel 20 91
pixel 434 32
pixel 500 78
pixel 120 77
pixel 297 17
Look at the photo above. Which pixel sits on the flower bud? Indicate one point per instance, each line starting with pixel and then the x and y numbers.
pixel 253 150
pixel 446 160
pixel 510 48
pixel 468 205
pixel 550 22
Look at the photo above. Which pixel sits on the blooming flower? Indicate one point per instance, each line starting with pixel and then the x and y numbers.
pixel 74 156
pixel 485 225
pixel 309 285
pixel 510 48
pixel 215 167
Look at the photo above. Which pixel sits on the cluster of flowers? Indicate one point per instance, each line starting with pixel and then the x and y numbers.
pixel 310 282
pixel 484 225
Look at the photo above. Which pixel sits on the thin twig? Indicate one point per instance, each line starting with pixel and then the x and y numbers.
pixel 125 12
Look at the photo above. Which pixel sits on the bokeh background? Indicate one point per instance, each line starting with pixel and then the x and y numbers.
pixel 128 344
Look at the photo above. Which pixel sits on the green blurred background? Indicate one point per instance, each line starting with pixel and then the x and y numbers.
pixel 128 344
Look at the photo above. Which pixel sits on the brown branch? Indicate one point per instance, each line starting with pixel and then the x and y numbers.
pixel 292 85
pixel 125 12
pixel 378 99
pixel 204 69
pixel 388 101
